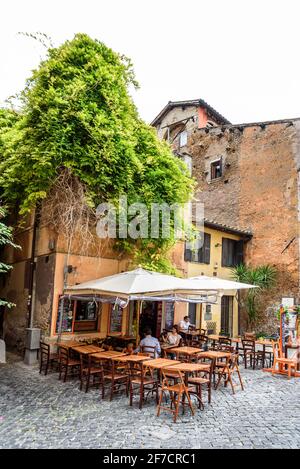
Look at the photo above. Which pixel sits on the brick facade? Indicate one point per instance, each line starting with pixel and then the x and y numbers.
pixel 258 191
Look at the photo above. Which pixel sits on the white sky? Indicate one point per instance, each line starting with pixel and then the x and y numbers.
pixel 241 56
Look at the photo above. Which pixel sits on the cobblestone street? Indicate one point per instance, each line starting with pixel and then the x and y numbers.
pixel 41 412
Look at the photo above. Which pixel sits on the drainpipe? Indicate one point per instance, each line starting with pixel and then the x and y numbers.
pixel 33 335
pixel 31 271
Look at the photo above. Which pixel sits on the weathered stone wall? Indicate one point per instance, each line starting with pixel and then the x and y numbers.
pixel 258 191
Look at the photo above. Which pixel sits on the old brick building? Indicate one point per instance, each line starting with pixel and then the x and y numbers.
pixel 247 177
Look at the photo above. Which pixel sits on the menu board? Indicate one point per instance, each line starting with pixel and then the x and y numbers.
pixel 169 315
pixel 116 319
pixel 65 315
pixel 289 328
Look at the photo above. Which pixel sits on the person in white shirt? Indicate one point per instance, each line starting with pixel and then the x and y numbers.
pixel 173 337
pixel 185 324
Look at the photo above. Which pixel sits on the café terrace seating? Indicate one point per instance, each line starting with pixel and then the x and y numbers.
pixel 177 380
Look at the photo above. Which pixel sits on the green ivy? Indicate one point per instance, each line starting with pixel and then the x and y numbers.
pixel 77 113
pixel 6 238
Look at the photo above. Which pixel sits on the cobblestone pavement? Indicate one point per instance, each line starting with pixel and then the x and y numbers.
pixel 41 412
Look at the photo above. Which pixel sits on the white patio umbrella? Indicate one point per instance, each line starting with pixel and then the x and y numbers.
pixel 216 283
pixel 137 282
pixel 140 284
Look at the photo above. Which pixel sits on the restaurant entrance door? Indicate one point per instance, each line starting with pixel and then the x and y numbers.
pixel 150 317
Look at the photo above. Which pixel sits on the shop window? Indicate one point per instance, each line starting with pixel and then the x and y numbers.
pixel 65 315
pixel 169 315
pixel 77 316
pixel 116 314
pixel 216 169
pixel 208 313
pixel 232 252
pixel 202 255
pixel 192 313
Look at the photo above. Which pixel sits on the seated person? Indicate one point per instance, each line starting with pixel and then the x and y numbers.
pixel 129 349
pixel 173 338
pixel 163 337
pixel 185 324
pixel 150 342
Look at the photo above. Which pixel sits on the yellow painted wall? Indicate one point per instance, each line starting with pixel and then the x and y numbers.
pixel 192 269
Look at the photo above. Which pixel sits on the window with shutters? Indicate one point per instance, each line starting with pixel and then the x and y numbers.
pixel 232 252
pixel 183 138
pixel 216 169
pixel 202 255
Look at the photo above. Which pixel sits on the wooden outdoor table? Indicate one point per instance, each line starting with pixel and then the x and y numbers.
pixel 191 367
pixel 167 349
pixel 70 344
pixel 159 363
pixel 131 358
pixel 87 349
pixel 187 369
pixel 189 351
pixel 108 355
pixel 214 354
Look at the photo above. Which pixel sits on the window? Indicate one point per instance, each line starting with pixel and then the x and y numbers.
pixel 188 161
pixel 216 169
pixel 193 313
pixel 183 138
pixel 201 255
pixel 169 315
pixel 232 252
pixel 116 313
pixel 208 313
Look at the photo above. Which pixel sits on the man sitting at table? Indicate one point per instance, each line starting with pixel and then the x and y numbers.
pixel 150 342
pixel 185 324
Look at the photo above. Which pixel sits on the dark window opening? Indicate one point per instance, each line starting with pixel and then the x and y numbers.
pixel 201 255
pixel 216 169
pixel 232 252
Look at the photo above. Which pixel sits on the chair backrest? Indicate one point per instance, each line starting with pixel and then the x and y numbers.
pixel 277 352
pixel 85 361
pixel 248 345
pixel 224 341
pixel 203 331
pixel 169 373
pixel 149 349
pixel 44 350
pixel 225 348
pixel 63 355
pixel 203 338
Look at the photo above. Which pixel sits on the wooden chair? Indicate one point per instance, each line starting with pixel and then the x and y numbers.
pixel 230 367
pixel 143 380
pixel 250 352
pixel 225 341
pixel 118 378
pixel 47 358
pixel 90 369
pixel 282 362
pixel 177 391
pixel 198 381
pixel 149 350
pixel 66 363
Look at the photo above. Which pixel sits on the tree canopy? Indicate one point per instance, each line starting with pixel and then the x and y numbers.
pixel 77 114
pixel 6 238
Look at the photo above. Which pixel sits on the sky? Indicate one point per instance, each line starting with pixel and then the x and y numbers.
pixel 241 56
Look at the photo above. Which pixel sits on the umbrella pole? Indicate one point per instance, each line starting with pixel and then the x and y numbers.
pixel 139 310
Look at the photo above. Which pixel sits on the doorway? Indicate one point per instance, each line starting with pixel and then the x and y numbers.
pixel 151 317
pixel 226 315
